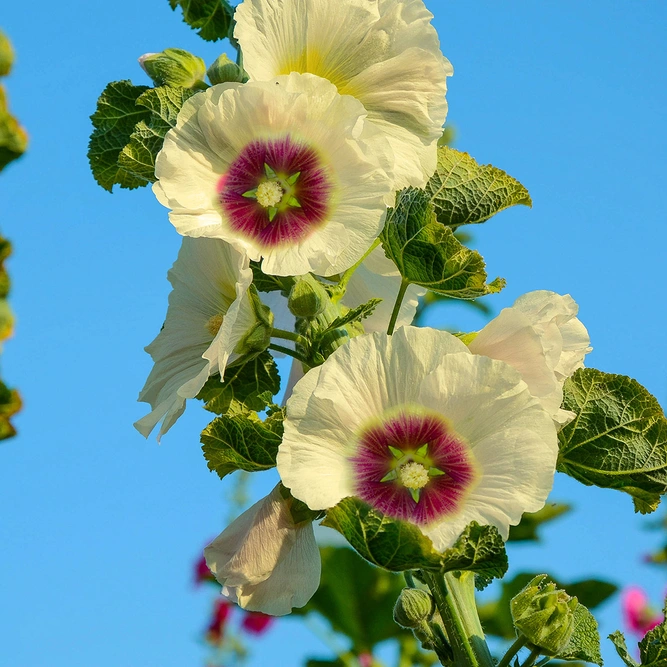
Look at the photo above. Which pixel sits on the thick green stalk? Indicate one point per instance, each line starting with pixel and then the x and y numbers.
pixel 397 306
pixel 512 651
pixel 455 599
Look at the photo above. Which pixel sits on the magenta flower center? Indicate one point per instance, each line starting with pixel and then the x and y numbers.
pixel 412 466
pixel 276 191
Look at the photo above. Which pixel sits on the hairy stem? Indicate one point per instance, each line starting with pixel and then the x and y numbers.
pixel 397 306
pixel 345 278
pixel 455 599
pixel 287 335
pixel 534 655
pixel 288 352
pixel 512 651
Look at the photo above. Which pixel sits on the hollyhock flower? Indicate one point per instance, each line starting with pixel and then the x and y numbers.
pixel 287 170
pixel 257 623
pixel 421 429
pixel 385 53
pixel 216 628
pixel 638 615
pixel 210 315
pixel 264 560
pixel 542 338
pixel 202 573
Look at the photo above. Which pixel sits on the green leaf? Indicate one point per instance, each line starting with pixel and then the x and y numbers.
pixel 496 617
pixel 13 139
pixel 584 644
pixel 464 192
pixel 356 598
pixel 481 550
pixel 145 142
pixel 618 640
pixel 390 544
pixel 242 441
pixel 428 254
pixel 531 521
pixel 266 283
pixel 354 315
pixel 114 122
pixel 10 404
pixel 250 386
pixel 618 439
pixel 213 19
pixel 653 647
pixel 6 54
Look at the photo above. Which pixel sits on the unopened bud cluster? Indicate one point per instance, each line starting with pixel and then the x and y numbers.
pixel 174 67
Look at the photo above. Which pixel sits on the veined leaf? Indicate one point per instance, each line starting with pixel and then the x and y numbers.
pixel 213 19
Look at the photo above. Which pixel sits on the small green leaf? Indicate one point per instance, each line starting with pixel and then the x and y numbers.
pixel 241 441
pixel 653 647
pixel 531 522
pixel 114 122
pixel 618 439
pixel 618 640
pixel 13 139
pixel 213 19
pixel 390 544
pixel 138 156
pixel 356 598
pixel 464 192
pixel 584 644
pixel 428 254
pixel 267 283
pixel 6 55
pixel 481 550
pixel 354 315
pixel 250 386
pixel 10 404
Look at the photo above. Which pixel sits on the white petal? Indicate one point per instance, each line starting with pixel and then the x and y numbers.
pixel 264 561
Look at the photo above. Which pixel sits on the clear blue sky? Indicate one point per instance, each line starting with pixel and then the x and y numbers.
pixel 99 527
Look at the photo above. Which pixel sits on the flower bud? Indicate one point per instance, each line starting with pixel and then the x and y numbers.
pixel 258 337
pixel 6 55
pixel 544 615
pixel 413 607
pixel 308 298
pixel 224 70
pixel 174 67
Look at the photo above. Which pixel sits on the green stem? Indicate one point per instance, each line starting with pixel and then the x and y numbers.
pixel 397 306
pixel 534 655
pixel 545 659
pixel 345 278
pixel 288 352
pixel 287 335
pixel 455 599
pixel 512 651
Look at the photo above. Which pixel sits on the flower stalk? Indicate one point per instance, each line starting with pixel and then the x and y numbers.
pixel 397 306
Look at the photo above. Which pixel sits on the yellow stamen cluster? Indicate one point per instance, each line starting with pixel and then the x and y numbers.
pixel 413 475
pixel 213 325
pixel 269 194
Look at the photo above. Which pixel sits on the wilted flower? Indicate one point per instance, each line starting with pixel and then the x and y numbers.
pixel 385 53
pixel 422 430
pixel 287 170
pixel 264 560
pixel 542 338
pixel 210 318
pixel 639 616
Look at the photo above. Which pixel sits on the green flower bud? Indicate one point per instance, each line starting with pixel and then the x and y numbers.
pixel 258 337
pixel 224 70
pixel 413 608
pixel 544 614
pixel 307 298
pixel 174 67
pixel 6 55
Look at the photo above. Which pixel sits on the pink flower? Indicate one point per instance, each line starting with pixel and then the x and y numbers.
pixel 222 608
pixel 201 572
pixel 365 660
pixel 639 616
pixel 257 623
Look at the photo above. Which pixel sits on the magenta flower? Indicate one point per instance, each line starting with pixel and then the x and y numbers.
pixel 216 628
pixel 257 623
pixel 638 615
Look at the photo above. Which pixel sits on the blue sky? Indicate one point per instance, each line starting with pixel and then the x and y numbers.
pixel 99 527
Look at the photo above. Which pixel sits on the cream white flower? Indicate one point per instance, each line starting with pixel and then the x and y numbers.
pixel 209 314
pixel 264 561
pixel 422 430
pixel 385 53
pixel 542 338
pixel 287 170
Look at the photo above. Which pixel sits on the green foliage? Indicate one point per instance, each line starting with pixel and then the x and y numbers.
pixel 10 404
pixel 246 386
pixel 531 521
pixel 464 192
pixel 398 546
pixel 653 647
pixel 213 19
pixel 618 640
pixel 496 617
pixel 242 441
pixel 266 283
pixel 584 643
pixel 618 439
pixel 13 139
pixel 130 124
pixel 114 121
pixel 387 543
pixel 6 55
pixel 428 254
pixel 356 598
pixel 481 550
